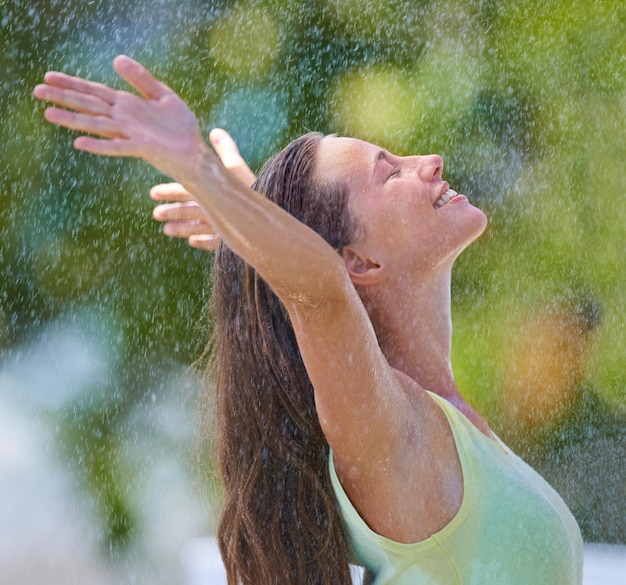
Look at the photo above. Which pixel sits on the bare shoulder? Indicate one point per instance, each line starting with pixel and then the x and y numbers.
pixel 414 486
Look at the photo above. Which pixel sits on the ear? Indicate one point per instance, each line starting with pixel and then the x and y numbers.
pixel 362 269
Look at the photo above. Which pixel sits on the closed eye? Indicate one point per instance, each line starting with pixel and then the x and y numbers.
pixel 392 168
pixel 395 172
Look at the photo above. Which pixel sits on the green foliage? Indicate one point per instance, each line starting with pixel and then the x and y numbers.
pixel 526 101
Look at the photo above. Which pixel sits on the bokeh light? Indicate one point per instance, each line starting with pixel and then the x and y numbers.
pixel 525 101
pixel 244 42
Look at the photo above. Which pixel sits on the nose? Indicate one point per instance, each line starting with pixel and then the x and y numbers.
pixel 430 167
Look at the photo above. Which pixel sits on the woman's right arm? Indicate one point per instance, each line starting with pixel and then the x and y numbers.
pixel 352 379
pixel 158 127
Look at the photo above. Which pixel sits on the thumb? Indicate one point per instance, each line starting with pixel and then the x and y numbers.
pixel 226 148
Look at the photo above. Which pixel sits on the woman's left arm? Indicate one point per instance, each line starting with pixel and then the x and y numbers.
pixel 182 217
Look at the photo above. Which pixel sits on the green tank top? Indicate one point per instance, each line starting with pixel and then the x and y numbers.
pixel 512 528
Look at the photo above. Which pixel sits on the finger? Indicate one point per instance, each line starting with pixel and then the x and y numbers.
pixel 113 147
pixel 227 150
pixel 64 81
pixel 185 229
pixel 207 243
pixel 68 98
pixel 170 192
pixel 93 124
pixel 139 77
pixel 185 211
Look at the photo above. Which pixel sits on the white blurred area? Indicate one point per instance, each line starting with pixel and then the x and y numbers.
pixel 49 529
pixel 605 564
pixel 44 524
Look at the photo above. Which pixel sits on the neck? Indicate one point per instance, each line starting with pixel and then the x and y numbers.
pixel 415 329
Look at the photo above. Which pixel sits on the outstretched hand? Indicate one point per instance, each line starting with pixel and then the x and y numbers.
pixel 181 216
pixel 156 126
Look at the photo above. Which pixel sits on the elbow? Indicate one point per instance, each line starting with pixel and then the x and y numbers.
pixel 326 285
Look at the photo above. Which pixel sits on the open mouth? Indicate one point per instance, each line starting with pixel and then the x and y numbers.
pixel 447 196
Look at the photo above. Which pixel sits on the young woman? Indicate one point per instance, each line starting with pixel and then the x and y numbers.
pixel 342 434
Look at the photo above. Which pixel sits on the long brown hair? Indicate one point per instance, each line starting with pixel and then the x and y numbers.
pixel 280 523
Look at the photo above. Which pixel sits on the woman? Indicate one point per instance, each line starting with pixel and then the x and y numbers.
pixel 341 429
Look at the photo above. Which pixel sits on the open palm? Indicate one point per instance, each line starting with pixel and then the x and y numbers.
pixel 156 126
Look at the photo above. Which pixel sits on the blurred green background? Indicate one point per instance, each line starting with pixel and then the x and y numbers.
pixel 100 316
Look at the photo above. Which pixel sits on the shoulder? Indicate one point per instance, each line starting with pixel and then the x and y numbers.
pixel 411 485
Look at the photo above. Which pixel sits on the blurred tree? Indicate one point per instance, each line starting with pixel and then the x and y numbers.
pixel 524 100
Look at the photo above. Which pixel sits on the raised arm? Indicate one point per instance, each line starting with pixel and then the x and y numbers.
pixel 357 394
pixel 158 127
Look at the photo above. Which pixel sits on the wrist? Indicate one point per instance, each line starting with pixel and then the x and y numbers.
pixel 202 166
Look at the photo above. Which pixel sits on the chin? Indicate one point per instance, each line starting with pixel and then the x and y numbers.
pixel 473 227
pixel 481 220
pixel 475 223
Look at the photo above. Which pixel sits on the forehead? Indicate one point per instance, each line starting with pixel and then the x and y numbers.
pixel 344 158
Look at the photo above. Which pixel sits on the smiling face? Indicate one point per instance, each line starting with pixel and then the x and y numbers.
pixel 409 216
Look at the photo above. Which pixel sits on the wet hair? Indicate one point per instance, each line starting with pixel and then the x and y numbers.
pixel 280 523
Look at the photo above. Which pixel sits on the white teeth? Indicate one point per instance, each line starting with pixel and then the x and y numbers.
pixel 449 194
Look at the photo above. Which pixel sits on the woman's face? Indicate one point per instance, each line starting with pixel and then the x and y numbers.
pixel 405 211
